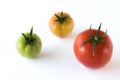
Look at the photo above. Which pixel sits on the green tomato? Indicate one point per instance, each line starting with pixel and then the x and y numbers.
pixel 29 44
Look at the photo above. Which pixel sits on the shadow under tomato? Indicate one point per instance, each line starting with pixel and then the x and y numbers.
pixel 50 53
pixel 112 67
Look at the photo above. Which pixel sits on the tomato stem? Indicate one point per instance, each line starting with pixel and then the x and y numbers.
pixel 29 38
pixel 61 18
pixel 95 39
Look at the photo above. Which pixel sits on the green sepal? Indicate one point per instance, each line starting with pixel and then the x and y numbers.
pixel 94 39
pixel 29 38
pixel 61 18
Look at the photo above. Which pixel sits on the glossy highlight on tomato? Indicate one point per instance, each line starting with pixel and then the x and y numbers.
pixel 61 24
pixel 93 48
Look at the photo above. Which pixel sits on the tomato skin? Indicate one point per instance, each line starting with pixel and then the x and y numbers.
pixel 84 54
pixel 29 49
pixel 63 29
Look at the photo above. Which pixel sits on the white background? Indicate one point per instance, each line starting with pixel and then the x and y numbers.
pixel 57 60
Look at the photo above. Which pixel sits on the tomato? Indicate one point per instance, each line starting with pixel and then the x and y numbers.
pixel 61 24
pixel 93 48
pixel 29 44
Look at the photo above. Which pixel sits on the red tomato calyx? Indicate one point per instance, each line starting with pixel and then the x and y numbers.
pixel 61 18
pixel 94 39
pixel 29 38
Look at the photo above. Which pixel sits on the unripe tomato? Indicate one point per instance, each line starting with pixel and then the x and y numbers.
pixel 29 44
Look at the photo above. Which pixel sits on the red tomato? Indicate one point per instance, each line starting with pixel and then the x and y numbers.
pixel 93 48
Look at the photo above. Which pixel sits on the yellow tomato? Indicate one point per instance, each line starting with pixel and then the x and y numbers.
pixel 61 24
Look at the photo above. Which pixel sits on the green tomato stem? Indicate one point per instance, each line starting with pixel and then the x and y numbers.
pixel 29 38
pixel 95 39
pixel 31 33
pixel 61 18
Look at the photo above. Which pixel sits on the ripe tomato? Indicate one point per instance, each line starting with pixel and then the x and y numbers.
pixel 29 44
pixel 61 24
pixel 93 48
